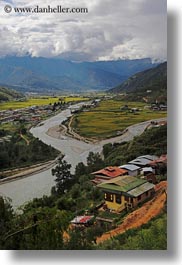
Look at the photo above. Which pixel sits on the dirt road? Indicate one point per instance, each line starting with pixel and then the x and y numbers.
pixel 142 215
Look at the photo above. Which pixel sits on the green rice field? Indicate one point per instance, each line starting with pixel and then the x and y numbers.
pixel 36 102
pixel 107 120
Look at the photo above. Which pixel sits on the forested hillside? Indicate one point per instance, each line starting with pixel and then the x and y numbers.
pixel 7 94
pixel 23 150
pixel 148 85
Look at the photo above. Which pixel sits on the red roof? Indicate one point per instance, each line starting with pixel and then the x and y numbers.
pixel 82 219
pixel 111 172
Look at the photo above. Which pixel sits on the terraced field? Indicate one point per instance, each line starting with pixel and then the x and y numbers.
pixel 107 119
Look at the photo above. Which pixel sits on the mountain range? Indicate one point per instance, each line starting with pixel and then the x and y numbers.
pixel 38 74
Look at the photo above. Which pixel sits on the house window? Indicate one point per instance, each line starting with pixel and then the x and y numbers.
pixel 126 198
pixel 139 197
pixel 118 199
pixel 146 193
pixel 109 197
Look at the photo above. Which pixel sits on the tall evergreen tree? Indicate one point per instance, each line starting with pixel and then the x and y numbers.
pixel 63 176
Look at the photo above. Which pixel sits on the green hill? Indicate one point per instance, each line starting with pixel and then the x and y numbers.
pixel 7 94
pixel 148 85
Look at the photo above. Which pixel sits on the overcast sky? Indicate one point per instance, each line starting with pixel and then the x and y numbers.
pixel 111 29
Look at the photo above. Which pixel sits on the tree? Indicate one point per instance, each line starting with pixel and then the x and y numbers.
pixel 107 148
pixel 80 169
pixel 94 162
pixel 6 215
pixel 63 176
pixel 162 169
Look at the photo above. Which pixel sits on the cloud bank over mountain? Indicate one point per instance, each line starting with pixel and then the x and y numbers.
pixel 110 30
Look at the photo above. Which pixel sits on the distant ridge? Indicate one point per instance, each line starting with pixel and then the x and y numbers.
pixel 38 74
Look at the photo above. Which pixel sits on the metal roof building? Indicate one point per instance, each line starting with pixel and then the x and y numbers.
pixel 130 167
pixel 141 189
pixel 140 161
pixel 149 157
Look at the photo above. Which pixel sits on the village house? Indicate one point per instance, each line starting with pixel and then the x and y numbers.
pixel 140 162
pixel 149 157
pixel 163 107
pixel 133 170
pixel 143 161
pixel 108 173
pixel 125 192
pixel 125 107
pixel 147 170
pixel 149 174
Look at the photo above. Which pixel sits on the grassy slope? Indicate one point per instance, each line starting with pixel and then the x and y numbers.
pixel 151 236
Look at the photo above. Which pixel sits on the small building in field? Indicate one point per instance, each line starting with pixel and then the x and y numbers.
pixel 108 173
pixel 125 192
pixel 133 170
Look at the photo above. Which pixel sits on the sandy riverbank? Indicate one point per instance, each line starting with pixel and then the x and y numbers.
pixel 57 131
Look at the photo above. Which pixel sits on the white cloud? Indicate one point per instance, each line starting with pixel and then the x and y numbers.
pixel 111 29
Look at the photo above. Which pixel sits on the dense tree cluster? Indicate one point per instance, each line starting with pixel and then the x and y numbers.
pixel 17 153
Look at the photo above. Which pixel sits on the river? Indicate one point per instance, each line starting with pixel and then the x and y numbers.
pixel 22 190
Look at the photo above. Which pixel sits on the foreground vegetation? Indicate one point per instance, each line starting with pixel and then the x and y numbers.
pixel 45 223
pixel 151 236
pixel 108 120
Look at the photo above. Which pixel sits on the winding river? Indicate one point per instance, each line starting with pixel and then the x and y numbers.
pixel 22 190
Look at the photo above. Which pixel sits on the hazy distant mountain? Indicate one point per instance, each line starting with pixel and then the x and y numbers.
pixel 50 74
pixel 148 85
